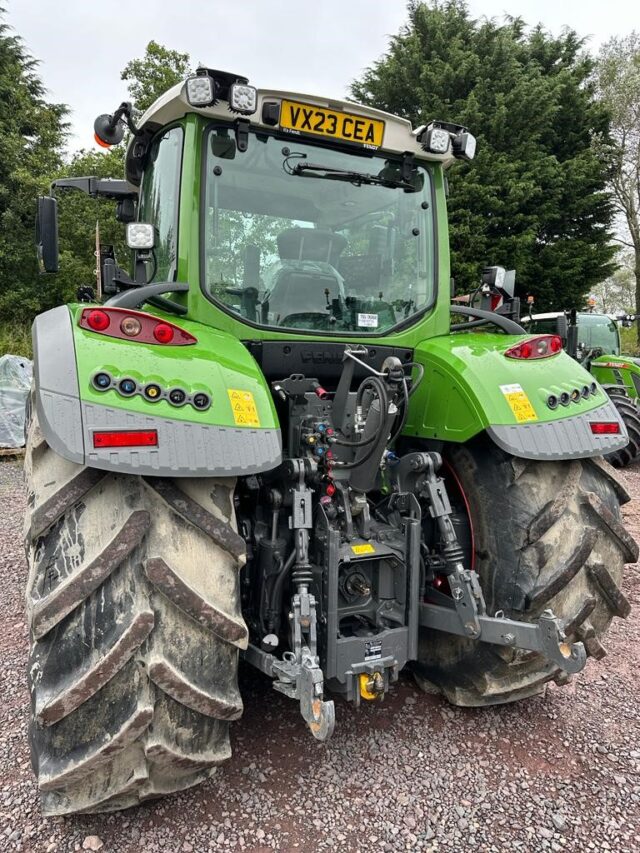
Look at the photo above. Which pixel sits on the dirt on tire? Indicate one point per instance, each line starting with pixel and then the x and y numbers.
pixel 546 535
pixel 133 608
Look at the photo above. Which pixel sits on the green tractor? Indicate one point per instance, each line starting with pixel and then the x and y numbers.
pixel 594 340
pixel 267 442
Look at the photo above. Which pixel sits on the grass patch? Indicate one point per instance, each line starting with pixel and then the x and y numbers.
pixel 15 340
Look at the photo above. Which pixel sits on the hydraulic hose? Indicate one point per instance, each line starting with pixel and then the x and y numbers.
pixel 275 600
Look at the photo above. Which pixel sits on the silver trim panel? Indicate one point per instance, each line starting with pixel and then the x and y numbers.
pixel 569 438
pixel 185 449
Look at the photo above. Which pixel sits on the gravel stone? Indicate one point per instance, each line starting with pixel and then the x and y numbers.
pixel 92 842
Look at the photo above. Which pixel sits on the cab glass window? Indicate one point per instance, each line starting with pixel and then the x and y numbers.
pixel 301 236
pixel 159 200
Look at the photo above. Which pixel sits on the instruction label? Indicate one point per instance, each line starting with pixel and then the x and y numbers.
pixel 519 403
pixel 366 548
pixel 243 407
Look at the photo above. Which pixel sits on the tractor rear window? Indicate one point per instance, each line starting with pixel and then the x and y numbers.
pixel 299 236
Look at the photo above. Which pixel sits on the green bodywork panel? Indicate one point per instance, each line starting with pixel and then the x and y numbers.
pixel 617 370
pixel 465 387
pixel 216 364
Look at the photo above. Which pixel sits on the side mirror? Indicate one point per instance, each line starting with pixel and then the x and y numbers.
pixel 47 234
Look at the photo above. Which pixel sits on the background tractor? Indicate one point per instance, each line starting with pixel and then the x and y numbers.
pixel 267 441
pixel 594 340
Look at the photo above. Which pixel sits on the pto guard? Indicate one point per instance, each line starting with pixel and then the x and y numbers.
pixel 211 443
pixel 470 386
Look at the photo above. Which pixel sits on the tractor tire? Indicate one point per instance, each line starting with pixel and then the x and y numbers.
pixel 630 414
pixel 135 624
pixel 545 535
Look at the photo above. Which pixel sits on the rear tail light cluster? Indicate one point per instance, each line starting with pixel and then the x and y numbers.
pixel 134 326
pixel 541 346
pixel 151 391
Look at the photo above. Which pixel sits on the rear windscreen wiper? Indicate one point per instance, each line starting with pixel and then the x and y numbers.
pixel 313 170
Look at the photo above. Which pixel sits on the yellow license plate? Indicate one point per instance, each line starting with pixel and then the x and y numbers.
pixel 305 118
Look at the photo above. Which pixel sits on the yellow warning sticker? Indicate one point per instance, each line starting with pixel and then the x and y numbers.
pixel 363 549
pixel 243 407
pixel 519 403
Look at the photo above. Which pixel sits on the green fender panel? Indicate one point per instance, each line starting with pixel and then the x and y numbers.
pixel 470 386
pixel 237 434
pixel 619 371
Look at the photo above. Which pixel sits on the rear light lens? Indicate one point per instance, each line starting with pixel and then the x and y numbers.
pixel 96 320
pixel 541 346
pixel 163 333
pixel 126 438
pixel 130 325
pixel 605 427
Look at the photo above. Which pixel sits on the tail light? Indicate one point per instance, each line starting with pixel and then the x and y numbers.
pixel 541 346
pixel 126 438
pixel 605 427
pixel 134 326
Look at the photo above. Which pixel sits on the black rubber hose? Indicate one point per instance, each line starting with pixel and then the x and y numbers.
pixel 414 385
pixel 405 412
pixel 381 390
pixel 275 602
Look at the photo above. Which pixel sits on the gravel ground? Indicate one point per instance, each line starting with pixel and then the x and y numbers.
pixel 559 773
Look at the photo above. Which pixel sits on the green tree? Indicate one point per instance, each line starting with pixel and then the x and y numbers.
pixel 618 291
pixel 535 197
pixel 158 70
pixel 78 216
pixel 618 82
pixel 32 135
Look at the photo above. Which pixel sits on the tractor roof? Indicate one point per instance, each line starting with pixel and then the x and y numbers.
pixel 399 136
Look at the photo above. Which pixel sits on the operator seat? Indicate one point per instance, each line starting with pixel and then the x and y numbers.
pixel 309 257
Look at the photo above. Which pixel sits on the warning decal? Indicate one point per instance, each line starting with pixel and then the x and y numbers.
pixel 243 407
pixel 366 548
pixel 519 403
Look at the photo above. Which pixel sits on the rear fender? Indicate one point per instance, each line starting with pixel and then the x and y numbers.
pixel 618 372
pixel 238 434
pixel 470 386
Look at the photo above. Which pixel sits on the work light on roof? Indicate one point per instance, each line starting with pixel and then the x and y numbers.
pixel 243 99
pixel 464 146
pixel 436 140
pixel 200 90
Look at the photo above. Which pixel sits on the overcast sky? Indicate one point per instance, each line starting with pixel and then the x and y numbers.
pixel 305 47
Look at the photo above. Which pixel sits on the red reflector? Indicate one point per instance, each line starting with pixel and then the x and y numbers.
pixel 98 320
pixel 541 346
pixel 163 333
pixel 126 438
pixel 605 427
